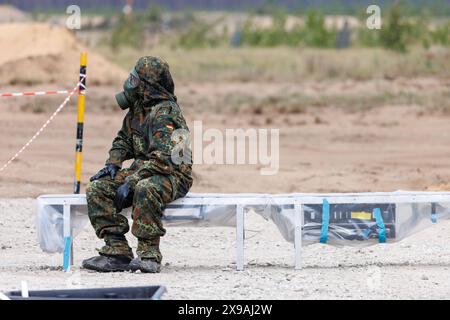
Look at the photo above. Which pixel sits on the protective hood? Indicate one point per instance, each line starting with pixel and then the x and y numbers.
pixel 156 80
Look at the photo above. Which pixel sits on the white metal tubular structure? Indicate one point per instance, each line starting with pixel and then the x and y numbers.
pixel 298 234
pixel 240 237
pixel 241 202
pixel 68 200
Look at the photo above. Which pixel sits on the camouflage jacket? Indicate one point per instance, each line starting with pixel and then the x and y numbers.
pixel 146 136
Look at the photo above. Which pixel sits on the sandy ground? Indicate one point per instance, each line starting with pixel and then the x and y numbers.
pixel 321 150
pixel 199 263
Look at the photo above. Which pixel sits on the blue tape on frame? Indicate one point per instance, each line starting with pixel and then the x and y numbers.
pixel 66 254
pixel 433 213
pixel 380 225
pixel 325 221
pixel 434 217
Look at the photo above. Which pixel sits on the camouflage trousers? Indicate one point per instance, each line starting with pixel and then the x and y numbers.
pixel 149 200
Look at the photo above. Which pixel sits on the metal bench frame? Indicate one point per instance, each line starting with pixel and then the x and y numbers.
pixel 243 201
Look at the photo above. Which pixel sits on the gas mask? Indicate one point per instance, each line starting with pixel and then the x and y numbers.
pixel 129 95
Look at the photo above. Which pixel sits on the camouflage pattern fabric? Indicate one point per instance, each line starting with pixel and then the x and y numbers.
pixel 155 180
pixel 156 79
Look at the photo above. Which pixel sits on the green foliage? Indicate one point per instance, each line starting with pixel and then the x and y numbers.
pixel 315 34
pixel 129 31
pixel 154 13
pixel 394 31
pixel 418 31
pixel 368 38
pixel 199 35
pixel 268 37
pixel 399 32
pixel 312 34
pixel 441 35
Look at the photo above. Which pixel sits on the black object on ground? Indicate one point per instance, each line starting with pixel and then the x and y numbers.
pixel 125 293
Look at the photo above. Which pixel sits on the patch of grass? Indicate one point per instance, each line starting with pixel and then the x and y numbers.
pixel 199 35
pixel 127 32
pixel 33 107
pixel 292 65
pixel 38 109
pixel 400 31
pixel 298 103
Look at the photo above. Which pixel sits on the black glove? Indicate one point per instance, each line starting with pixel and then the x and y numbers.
pixel 123 198
pixel 110 169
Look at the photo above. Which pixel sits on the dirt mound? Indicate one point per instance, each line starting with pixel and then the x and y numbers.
pixel 39 53
pixel 12 14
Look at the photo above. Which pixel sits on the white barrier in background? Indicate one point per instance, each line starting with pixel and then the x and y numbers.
pixel 287 211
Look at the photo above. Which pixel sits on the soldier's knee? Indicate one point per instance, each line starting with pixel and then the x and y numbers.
pixel 144 189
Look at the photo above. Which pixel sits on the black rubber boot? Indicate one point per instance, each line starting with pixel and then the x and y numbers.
pixel 105 263
pixel 145 265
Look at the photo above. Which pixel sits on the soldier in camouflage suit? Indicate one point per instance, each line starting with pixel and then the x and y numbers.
pixel 153 179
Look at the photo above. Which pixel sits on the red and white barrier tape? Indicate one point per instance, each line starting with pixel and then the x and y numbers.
pixel 37 93
pixel 61 106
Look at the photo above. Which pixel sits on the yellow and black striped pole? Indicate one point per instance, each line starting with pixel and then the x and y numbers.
pixel 80 122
